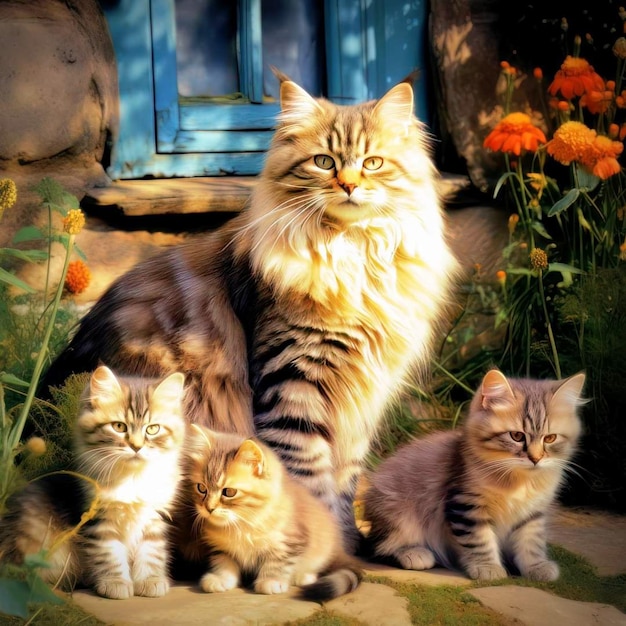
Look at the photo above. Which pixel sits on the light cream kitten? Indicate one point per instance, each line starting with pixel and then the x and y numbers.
pixel 128 439
pixel 245 515
pixel 477 497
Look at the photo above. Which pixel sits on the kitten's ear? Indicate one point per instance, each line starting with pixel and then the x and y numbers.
pixel 171 389
pixel 251 454
pixel 495 390
pixel 397 104
pixel 570 390
pixel 103 385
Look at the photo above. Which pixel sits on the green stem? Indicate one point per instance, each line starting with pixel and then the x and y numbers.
pixel 555 354
pixel 16 431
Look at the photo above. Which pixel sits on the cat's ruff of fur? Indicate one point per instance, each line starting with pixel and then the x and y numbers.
pixel 300 318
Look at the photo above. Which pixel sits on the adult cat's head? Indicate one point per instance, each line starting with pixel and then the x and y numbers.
pixel 523 425
pixel 346 164
pixel 232 480
pixel 126 423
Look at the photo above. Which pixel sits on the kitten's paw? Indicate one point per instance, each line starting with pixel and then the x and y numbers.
pixel 306 578
pixel 270 586
pixel 486 572
pixel 416 558
pixel 544 571
pixel 152 587
pixel 114 588
pixel 215 583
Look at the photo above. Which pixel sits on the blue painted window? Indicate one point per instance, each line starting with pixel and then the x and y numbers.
pixel 197 97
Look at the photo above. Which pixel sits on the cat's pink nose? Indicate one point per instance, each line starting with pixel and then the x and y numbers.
pixel 347 187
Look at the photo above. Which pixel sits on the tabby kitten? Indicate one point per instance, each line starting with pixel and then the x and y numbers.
pixel 128 438
pixel 251 518
pixel 301 317
pixel 477 497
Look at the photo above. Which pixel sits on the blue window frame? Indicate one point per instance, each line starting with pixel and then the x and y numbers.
pixel 369 45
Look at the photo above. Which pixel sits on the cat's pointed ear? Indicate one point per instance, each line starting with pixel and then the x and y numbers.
pixel 103 385
pixel 495 390
pixel 250 453
pixel 570 390
pixel 295 102
pixel 397 104
pixel 170 390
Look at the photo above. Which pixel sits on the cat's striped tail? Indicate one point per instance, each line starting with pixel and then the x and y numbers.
pixel 335 583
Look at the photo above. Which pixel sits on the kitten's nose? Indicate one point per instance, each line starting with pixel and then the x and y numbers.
pixel 347 187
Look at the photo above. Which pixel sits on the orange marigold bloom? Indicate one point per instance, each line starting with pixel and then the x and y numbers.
pixel 597 102
pixel 514 133
pixel 613 131
pixel 601 158
pixel 538 73
pixel 571 141
pixel 78 277
pixel 575 78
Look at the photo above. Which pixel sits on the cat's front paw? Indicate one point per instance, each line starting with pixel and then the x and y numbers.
pixel 271 585
pixel 114 588
pixel 544 571
pixel 154 587
pixel 416 558
pixel 215 583
pixel 486 572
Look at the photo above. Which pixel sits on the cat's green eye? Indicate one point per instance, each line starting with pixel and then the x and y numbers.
pixel 119 427
pixel 152 429
pixel 517 436
pixel 549 439
pixel 229 492
pixel 373 163
pixel 201 488
pixel 324 162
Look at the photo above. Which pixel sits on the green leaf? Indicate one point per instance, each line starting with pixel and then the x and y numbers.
pixel 10 379
pixel 541 229
pixel 26 255
pixel 11 279
pixel 14 597
pixel 586 180
pixel 564 267
pixel 566 201
pixel 519 270
pixel 28 233
pixel 55 197
pixel 79 253
pixel 501 182
pixel 38 559
pixel 40 592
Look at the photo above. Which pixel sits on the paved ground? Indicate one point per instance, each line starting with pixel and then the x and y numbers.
pixel 599 537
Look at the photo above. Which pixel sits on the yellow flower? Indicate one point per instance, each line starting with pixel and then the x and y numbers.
pixel 36 446
pixel 515 133
pixel 538 259
pixel 74 221
pixel 8 194
pixel 575 78
pixel 571 142
pixel 78 277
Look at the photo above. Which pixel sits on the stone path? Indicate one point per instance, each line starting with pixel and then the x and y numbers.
pixel 601 538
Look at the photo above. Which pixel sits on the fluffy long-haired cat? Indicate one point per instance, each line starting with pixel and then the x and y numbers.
pixel 128 438
pixel 247 518
pixel 477 497
pixel 301 317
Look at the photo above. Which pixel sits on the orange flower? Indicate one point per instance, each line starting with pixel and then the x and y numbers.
pixel 575 78
pixel 538 73
pixel 571 141
pixel 78 277
pixel 601 158
pixel 597 101
pixel 514 133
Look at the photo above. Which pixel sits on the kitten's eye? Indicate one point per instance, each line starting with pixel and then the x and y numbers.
pixel 152 429
pixel 373 163
pixel 549 439
pixel 119 427
pixel 517 436
pixel 201 488
pixel 229 492
pixel 324 162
